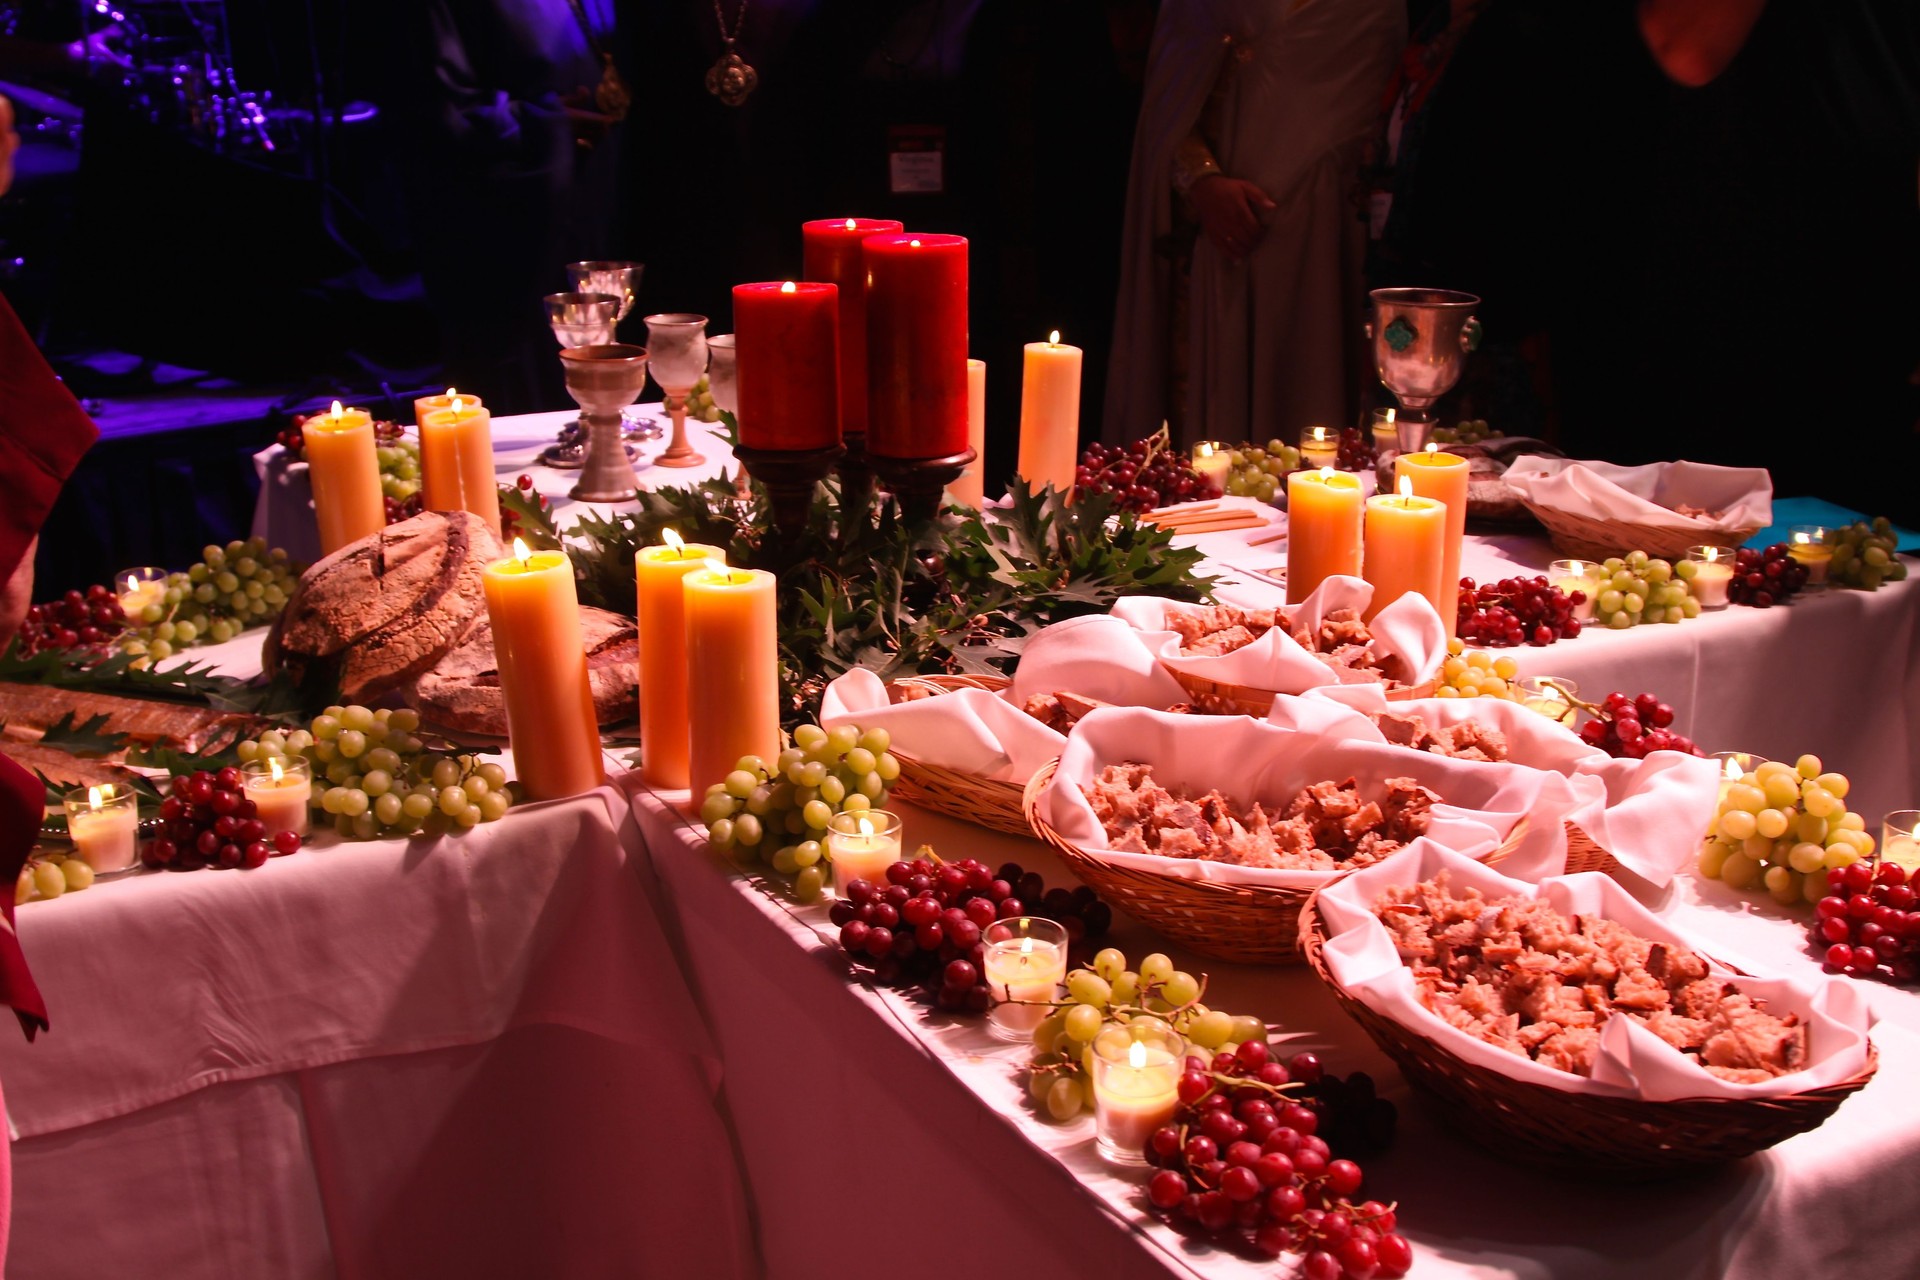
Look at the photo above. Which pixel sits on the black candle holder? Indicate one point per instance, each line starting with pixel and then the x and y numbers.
pixel 790 476
pixel 856 481
pixel 918 482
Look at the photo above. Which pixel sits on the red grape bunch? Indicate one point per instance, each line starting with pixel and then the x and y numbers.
pixel 1765 578
pixel 77 620
pixel 1632 727
pixel 1247 1151
pixel 1516 611
pixel 1357 452
pixel 209 822
pixel 1868 921
pixel 1143 475
pixel 922 927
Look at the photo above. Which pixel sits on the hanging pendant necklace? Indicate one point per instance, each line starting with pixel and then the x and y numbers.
pixel 731 79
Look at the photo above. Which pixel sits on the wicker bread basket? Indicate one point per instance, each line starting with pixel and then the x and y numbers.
pixel 1257 702
pixel 1240 923
pixel 1582 1132
pixel 1586 538
pixel 994 805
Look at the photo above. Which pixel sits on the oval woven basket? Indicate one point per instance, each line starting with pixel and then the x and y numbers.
pixel 1258 702
pixel 993 805
pixel 1585 538
pixel 1582 1132
pixel 1240 923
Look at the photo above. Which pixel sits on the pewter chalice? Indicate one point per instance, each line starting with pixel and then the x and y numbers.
pixel 604 379
pixel 1421 338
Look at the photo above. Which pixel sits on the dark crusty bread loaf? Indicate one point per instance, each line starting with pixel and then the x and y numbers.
pixel 462 691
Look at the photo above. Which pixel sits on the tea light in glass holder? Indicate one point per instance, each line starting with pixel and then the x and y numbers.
pixel 104 827
pixel 1900 839
pixel 281 790
pixel 1026 960
pixel 1712 574
pixel 1551 696
pixel 1211 462
pixel 1585 576
pixel 1735 765
pixel 861 845
pixel 1136 1079
pixel 1319 447
pixel 140 588
pixel 1811 545
pixel 1386 431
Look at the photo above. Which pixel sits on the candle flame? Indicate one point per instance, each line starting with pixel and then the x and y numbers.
pixel 1406 487
pixel 1203 450
pixel 1429 449
pixel 337 410
pixel 273 763
pixel 788 287
pixel 133 583
pixel 852 225
pixel 913 244
pixel 1136 1055
pixel 1326 473
pixel 455 406
pixel 1389 415
pixel 866 825
pixel 449 393
pixel 521 552
pixel 1319 435
pixel 1053 339
pixel 1733 770
pixel 94 798
pixel 1026 946
pixel 672 539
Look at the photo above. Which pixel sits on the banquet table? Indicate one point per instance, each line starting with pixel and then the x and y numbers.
pixel 578 1043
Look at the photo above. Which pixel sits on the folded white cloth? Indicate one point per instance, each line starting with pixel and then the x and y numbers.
pixel 1647 495
pixel 1648 813
pixel 1408 635
pixel 1250 760
pixel 1632 1061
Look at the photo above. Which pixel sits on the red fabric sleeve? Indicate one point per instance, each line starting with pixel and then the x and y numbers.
pixel 22 802
pixel 43 433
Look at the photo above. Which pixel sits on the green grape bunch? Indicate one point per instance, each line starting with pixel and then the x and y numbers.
pixel 231 588
pixel 700 405
pixel 375 776
pixel 1156 995
pixel 1258 472
pixel 1863 556
pixel 399 459
pixel 779 811
pixel 1637 588
pixel 1467 431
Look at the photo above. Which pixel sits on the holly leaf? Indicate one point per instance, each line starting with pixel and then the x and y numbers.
pixel 86 738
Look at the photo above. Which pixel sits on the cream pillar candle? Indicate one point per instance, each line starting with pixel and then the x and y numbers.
pixel 1323 529
pixel 1050 414
pixel 456 460
pixel 345 474
pixel 733 671
pixel 1405 547
pixel 281 791
pixel 104 827
pixel 1442 477
pixel 862 844
pixel 661 615
pixel 535 614
pixel 970 489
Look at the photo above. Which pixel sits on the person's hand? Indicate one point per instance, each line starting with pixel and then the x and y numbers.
pixel 590 124
pixel 16 593
pixel 9 143
pixel 1232 212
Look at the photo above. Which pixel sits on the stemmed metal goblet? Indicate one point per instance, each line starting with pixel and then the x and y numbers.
pixel 676 357
pixel 577 320
pixel 1421 338
pixel 618 280
pixel 604 379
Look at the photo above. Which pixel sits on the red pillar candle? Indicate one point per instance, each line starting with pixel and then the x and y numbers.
pixel 916 345
pixel 786 342
pixel 830 254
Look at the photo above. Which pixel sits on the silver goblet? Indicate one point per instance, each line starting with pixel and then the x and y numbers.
pixel 605 379
pixel 577 320
pixel 723 384
pixel 1421 338
pixel 677 356
pixel 619 280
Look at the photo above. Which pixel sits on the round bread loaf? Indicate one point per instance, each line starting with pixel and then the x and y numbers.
pixel 462 692
pixel 378 612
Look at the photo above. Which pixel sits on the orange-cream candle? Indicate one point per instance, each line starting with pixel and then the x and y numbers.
pixel 1050 414
pixel 662 618
pixel 733 671
pixel 1323 529
pixel 1442 477
pixel 970 489
pixel 1405 547
pixel 345 473
pixel 456 460
pixel 537 643
pixel 424 405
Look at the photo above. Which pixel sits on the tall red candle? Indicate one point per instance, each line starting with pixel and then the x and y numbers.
pixel 831 254
pixel 786 339
pixel 916 345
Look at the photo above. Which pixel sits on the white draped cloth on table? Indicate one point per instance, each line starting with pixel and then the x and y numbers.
pixel 1269 335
